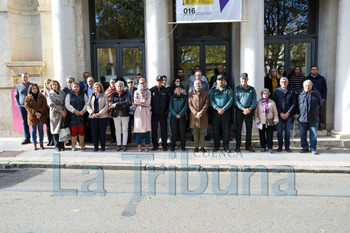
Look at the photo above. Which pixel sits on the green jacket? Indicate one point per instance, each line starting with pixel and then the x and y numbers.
pixel 178 105
pixel 245 97
pixel 221 99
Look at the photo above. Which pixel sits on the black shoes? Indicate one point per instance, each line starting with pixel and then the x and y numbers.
pixel 288 150
pixel 155 148
pixel 249 148
pixel 279 149
pixel 172 149
pixel 192 139
pixel 226 149
pixel 165 148
pixel 183 149
pixel 207 138
pixel 237 149
pixel 304 151
pixel 216 149
pixel 26 141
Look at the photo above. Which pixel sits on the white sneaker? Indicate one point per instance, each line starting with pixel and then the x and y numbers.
pixel 168 141
pixel 160 141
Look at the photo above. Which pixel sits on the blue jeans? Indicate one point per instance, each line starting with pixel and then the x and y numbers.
pixel 24 115
pixel 147 138
pixel 284 125
pixel 313 126
pixel 41 133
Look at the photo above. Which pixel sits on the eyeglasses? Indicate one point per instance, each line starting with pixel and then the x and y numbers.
pixel 112 82
pixel 86 75
pixel 131 82
pixel 142 83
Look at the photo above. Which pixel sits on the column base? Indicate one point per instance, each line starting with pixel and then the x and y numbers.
pixel 340 134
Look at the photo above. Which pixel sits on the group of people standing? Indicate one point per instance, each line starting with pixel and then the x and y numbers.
pixel 86 108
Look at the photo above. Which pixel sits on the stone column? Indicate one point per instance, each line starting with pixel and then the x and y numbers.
pixel 46 38
pixel 327 46
pixel 252 47
pixel 157 42
pixel 64 40
pixel 342 80
pixel 252 43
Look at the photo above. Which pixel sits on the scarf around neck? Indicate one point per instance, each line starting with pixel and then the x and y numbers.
pixel 265 105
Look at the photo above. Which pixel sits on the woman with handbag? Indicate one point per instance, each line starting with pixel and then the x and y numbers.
pixel 120 113
pixel 109 92
pixel 58 112
pixel 142 115
pixel 76 104
pixel 97 108
pixel 45 92
pixel 36 106
pixel 266 114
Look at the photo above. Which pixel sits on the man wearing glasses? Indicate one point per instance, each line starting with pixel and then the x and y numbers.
pixel 193 77
pixel 84 84
pixel 131 89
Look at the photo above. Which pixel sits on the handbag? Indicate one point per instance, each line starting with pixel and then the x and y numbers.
pixel 64 134
pixel 270 122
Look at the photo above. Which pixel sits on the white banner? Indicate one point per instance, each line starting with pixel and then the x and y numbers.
pixel 208 11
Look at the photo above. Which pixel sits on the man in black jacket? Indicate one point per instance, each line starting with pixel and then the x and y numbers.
pixel 285 99
pixel 160 108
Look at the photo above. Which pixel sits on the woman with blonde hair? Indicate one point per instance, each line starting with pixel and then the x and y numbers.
pixel 142 115
pixel 97 107
pixel 58 111
pixel 45 92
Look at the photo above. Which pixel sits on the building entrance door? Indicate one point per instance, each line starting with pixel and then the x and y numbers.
pixel 114 60
pixel 206 54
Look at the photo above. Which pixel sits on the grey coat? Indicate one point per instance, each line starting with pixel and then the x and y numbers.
pixel 56 103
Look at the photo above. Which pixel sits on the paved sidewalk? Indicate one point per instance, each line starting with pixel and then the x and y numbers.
pixel 13 154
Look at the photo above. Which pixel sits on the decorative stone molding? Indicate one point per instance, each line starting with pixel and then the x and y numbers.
pixel 32 67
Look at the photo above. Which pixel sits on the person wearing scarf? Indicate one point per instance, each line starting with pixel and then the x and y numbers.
pixel 265 110
pixel 109 92
pixel 120 102
pixel 142 115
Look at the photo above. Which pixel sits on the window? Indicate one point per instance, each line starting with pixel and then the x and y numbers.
pixel 290 17
pixel 118 19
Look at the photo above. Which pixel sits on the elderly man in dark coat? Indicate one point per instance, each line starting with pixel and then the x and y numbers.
pixel 309 103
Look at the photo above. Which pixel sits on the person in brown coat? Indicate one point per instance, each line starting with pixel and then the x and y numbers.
pixel 198 102
pixel 36 106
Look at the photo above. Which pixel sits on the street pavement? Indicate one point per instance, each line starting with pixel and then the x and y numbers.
pixel 15 155
pixel 28 203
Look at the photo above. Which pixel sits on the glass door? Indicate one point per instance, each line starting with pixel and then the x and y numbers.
pixel 114 60
pixel 106 63
pixel 290 53
pixel 132 58
pixel 207 54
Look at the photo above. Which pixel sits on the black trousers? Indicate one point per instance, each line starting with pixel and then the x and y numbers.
pixel 268 131
pixel 162 119
pixel 240 117
pixel 98 128
pixel 87 129
pixel 178 124
pixel 131 124
pixel 58 144
pixel 221 123
pixel 48 130
pixel 112 128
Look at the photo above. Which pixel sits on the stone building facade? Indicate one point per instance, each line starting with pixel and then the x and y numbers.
pixel 53 39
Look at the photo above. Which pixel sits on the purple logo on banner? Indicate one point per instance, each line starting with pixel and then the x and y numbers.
pixel 223 4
